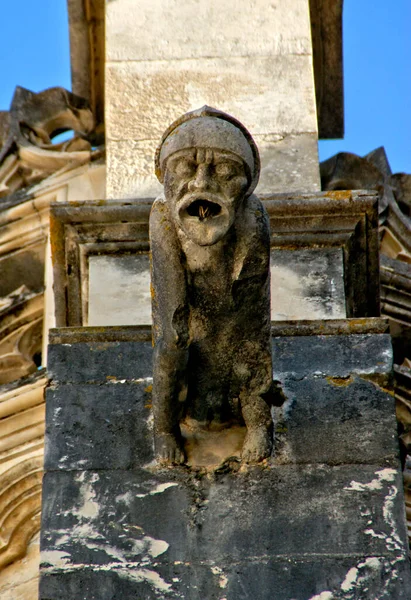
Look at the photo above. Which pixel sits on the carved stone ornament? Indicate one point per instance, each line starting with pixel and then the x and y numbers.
pixel 210 243
pixel 27 151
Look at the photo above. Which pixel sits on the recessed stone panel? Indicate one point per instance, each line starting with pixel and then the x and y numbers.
pixel 119 290
pixel 307 284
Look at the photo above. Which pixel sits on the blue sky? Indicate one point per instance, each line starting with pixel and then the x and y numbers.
pixel 34 53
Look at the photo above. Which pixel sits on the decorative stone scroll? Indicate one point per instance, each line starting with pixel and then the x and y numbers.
pixel 210 245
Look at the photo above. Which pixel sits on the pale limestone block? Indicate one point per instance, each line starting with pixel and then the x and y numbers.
pixel 288 163
pixel 89 185
pixel 130 169
pixel 249 58
pixel 271 94
pixel 171 29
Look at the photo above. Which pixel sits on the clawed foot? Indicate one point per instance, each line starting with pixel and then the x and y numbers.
pixel 168 450
pixel 257 445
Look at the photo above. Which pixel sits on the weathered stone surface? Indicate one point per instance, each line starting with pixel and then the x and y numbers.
pixel 337 420
pixel 27 153
pixel 346 220
pixel 21 321
pixel 94 228
pixel 325 578
pixel 341 225
pixel 222 526
pixel 194 56
pixel 307 284
pixel 20 580
pixel 188 84
pixel 338 356
pixel 322 377
pixel 336 411
pixel 288 162
pixel 294 357
pixel 163 31
pixel 103 426
pixel 115 524
pixel 106 361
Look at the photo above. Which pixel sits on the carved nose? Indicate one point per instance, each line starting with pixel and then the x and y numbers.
pixel 202 180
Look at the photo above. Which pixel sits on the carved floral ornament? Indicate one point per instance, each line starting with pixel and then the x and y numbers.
pixel 27 152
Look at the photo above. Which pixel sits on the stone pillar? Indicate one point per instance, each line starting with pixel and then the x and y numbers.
pixel 252 59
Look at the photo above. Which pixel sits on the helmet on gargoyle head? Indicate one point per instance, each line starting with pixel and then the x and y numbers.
pixel 209 127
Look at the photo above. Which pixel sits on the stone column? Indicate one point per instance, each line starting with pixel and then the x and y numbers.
pixel 250 58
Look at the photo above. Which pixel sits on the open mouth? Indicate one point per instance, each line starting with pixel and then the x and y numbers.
pixel 203 209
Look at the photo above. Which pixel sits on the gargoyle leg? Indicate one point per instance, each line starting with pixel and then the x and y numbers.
pixel 257 416
pixel 169 390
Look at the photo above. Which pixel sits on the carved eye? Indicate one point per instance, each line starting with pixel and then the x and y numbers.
pixel 226 170
pixel 185 168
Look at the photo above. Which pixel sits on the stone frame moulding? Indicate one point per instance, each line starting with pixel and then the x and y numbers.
pixel 80 230
pixel 343 219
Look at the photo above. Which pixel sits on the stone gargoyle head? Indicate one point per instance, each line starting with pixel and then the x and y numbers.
pixel 208 162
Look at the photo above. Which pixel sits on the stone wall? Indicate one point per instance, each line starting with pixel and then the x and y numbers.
pixel 322 519
pixel 251 59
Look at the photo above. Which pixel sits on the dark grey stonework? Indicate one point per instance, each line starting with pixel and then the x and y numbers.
pixel 333 355
pixel 338 420
pixel 102 426
pixel 100 361
pixel 322 519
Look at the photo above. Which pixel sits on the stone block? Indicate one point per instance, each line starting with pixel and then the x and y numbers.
pixel 165 58
pixel 230 534
pixel 288 163
pixel 337 420
pixel 328 355
pixel 325 578
pixel 256 91
pixel 294 357
pixel 335 413
pixel 99 426
pixel 160 30
pixel 106 361
pixel 323 519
